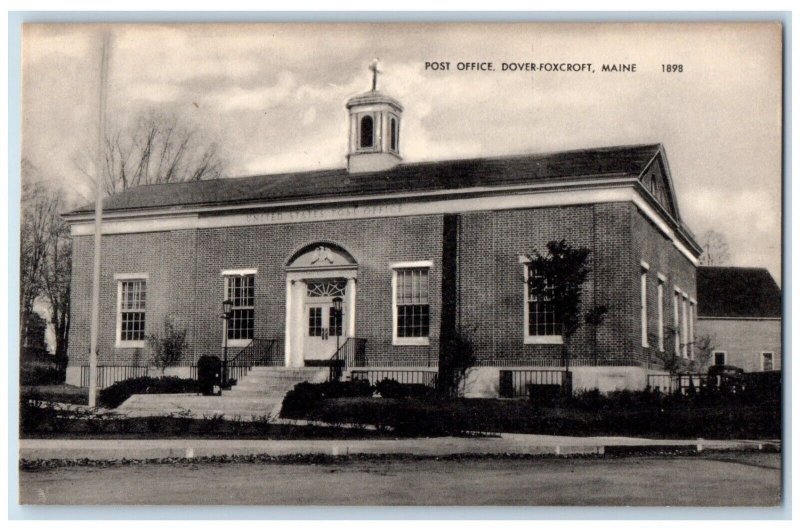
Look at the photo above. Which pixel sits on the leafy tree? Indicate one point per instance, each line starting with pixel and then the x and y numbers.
pixel 167 349
pixel 558 277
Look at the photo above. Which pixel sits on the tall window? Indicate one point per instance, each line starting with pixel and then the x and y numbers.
pixel 131 312
pixel 661 313
pixel 643 282
pixel 685 329
pixel 240 290
pixel 542 321
pixel 393 134
pixel 691 328
pixel 367 132
pixel 411 299
pixel 767 362
pixel 676 320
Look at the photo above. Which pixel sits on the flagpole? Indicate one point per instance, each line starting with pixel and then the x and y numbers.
pixel 98 215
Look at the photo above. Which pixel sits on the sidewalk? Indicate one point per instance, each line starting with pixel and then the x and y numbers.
pixel 517 444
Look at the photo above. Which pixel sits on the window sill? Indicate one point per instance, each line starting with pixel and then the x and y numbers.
pixel 544 340
pixel 411 341
pixel 129 344
pixel 237 342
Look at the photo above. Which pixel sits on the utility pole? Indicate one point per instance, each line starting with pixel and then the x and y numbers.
pixel 98 214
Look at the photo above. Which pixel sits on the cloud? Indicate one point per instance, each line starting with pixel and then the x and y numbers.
pixel 275 94
pixel 309 116
pixel 234 97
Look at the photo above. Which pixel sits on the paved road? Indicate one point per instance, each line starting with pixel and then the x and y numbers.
pixel 726 480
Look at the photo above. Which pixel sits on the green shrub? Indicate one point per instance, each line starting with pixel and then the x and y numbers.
pixel 597 415
pixel 348 389
pixel 119 392
pixel 306 396
pixel 389 388
pixel 39 374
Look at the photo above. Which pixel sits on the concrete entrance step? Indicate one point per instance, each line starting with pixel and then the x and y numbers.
pixel 199 406
pixel 285 370
pixel 274 382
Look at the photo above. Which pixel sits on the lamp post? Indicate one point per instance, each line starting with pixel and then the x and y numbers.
pixel 227 311
pixel 337 325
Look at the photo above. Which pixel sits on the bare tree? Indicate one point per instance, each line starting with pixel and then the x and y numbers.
pixel 157 148
pixel 56 277
pixel 715 248
pixel 37 210
pixel 704 345
pixel 45 256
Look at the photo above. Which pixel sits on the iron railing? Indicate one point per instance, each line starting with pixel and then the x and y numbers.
pixel 108 375
pixel 403 376
pixel 677 383
pixel 352 353
pixel 258 353
pixel 516 383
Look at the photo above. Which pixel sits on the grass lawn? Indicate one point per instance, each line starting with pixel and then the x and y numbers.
pixel 68 394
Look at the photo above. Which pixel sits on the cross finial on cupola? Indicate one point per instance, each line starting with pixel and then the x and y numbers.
pixel 375 71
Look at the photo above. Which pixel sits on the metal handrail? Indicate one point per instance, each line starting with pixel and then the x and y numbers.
pixel 351 353
pixel 257 353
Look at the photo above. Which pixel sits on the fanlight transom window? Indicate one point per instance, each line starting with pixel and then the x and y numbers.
pixel 328 287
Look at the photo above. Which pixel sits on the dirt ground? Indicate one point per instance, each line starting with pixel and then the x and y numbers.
pixel 723 480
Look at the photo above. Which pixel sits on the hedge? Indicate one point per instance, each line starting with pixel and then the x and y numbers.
pixel 119 392
pixel 624 413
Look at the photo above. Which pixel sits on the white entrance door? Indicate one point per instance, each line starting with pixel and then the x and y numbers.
pixel 322 326
pixel 321 330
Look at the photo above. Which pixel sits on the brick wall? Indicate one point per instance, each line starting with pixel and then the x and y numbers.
pixel 168 259
pixel 651 246
pixel 491 282
pixel 185 282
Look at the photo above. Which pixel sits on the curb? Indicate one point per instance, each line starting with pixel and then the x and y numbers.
pixel 95 449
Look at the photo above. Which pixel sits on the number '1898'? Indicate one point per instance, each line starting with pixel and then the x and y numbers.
pixel 671 69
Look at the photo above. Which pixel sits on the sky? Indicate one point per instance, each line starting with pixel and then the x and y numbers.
pixel 274 95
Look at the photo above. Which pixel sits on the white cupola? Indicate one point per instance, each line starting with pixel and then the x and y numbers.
pixel 374 142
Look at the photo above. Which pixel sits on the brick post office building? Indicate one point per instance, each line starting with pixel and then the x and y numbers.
pixel 416 251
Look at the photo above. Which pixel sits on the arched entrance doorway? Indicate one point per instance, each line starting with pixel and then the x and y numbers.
pixel 315 275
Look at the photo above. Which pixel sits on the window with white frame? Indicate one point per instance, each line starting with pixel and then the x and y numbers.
pixel 767 361
pixel 660 294
pixel 692 305
pixel 676 321
pixel 412 308
pixel 240 290
pixel 684 328
pixel 720 358
pixel 643 302
pixel 541 322
pixel 131 311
